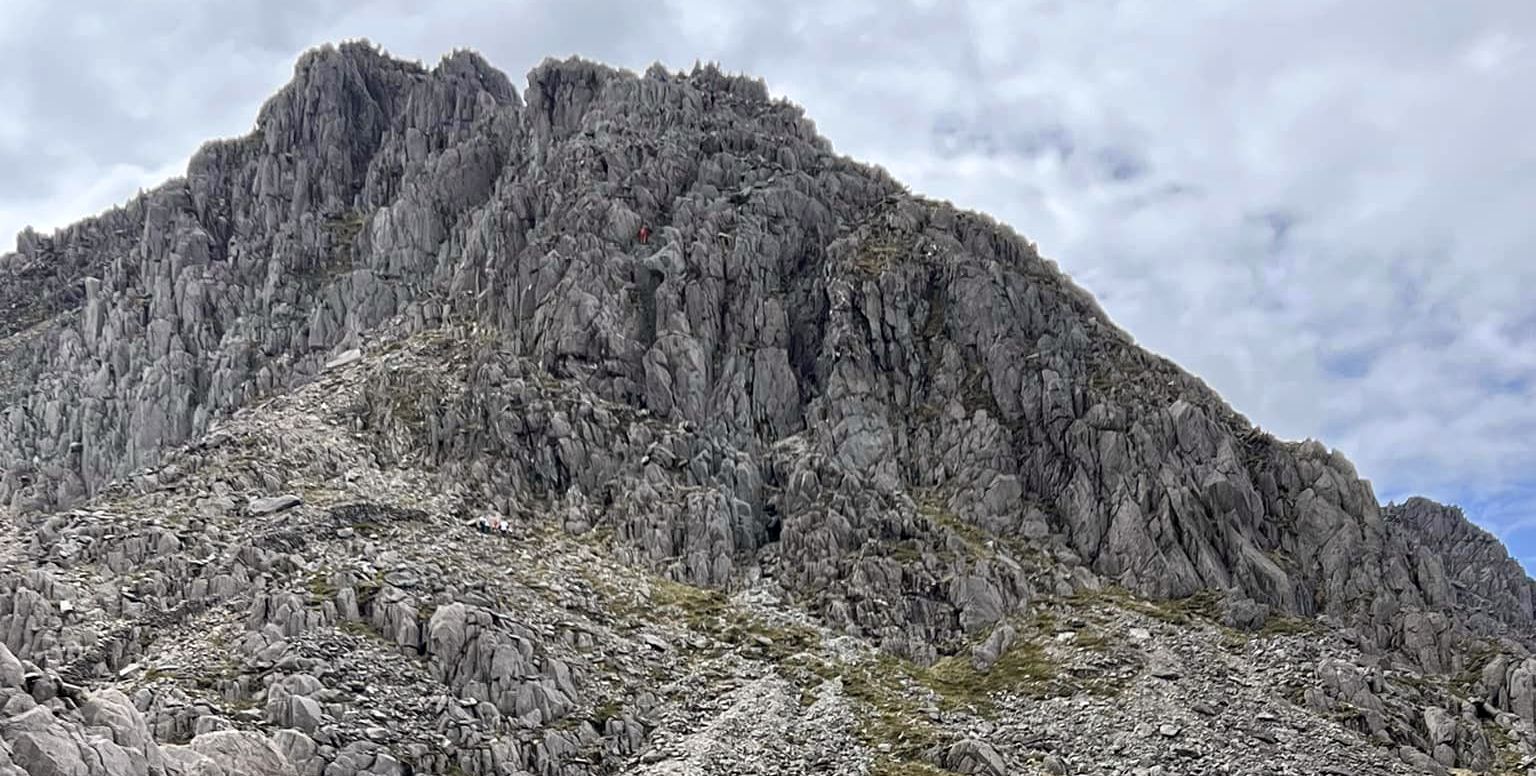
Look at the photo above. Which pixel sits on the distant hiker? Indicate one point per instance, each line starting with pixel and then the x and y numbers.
pixel 506 527
pixel 484 524
pixel 645 234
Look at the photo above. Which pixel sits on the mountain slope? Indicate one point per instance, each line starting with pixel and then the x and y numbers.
pixel 897 413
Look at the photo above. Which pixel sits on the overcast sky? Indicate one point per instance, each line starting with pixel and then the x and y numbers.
pixel 1322 208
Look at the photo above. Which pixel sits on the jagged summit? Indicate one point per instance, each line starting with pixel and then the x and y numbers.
pixel 1488 583
pixel 869 465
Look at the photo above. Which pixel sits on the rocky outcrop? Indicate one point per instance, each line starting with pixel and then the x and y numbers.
pixel 107 736
pixel 1490 589
pixel 133 330
pixel 425 295
pixel 831 350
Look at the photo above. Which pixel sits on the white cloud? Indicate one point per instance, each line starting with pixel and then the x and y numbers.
pixel 1319 207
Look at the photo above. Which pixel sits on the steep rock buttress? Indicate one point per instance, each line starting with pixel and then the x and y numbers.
pixel 843 367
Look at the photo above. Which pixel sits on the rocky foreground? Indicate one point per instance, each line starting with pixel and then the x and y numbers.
pixel 822 477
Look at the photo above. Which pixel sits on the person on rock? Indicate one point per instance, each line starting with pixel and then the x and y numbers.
pixel 645 234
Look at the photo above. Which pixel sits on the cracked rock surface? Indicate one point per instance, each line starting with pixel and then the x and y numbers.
pixel 378 444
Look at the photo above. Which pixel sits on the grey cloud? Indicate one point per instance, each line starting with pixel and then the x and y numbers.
pixel 104 83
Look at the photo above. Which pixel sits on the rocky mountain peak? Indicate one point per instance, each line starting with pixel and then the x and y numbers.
pixel 1487 581
pixel 387 441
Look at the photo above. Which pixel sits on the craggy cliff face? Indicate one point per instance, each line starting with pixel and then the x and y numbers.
pixel 898 410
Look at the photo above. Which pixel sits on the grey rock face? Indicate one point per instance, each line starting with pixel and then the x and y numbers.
pixel 807 381
pixel 827 346
pixel 1467 565
pixel 149 321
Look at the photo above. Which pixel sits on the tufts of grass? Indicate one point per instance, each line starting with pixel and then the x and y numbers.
pixel 897 700
pixel 1506 751
pixel 892 719
pixel 885 688
pixel 1089 639
pixel 931 506
pixel 876 254
pixel 976 542
pixel 320 588
pixel 701 609
pixel 599 538
pixel 905 551
pixel 605 711
pixel 1202 606
pixel 1282 625
pixel 1024 670
pixel 360 629
pixel 709 612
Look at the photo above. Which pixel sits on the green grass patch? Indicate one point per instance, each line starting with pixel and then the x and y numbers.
pixel 931 506
pixel 1506 751
pixel 1091 639
pixel 883 689
pixel 894 697
pixel 1024 670
pixel 905 551
pixel 606 711
pixel 709 612
pixel 1283 625
pixel 599 538
pixel 977 542
pixel 320 588
pixel 701 609
pixel 1204 605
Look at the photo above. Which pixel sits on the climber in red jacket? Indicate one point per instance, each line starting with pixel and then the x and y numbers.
pixel 645 233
